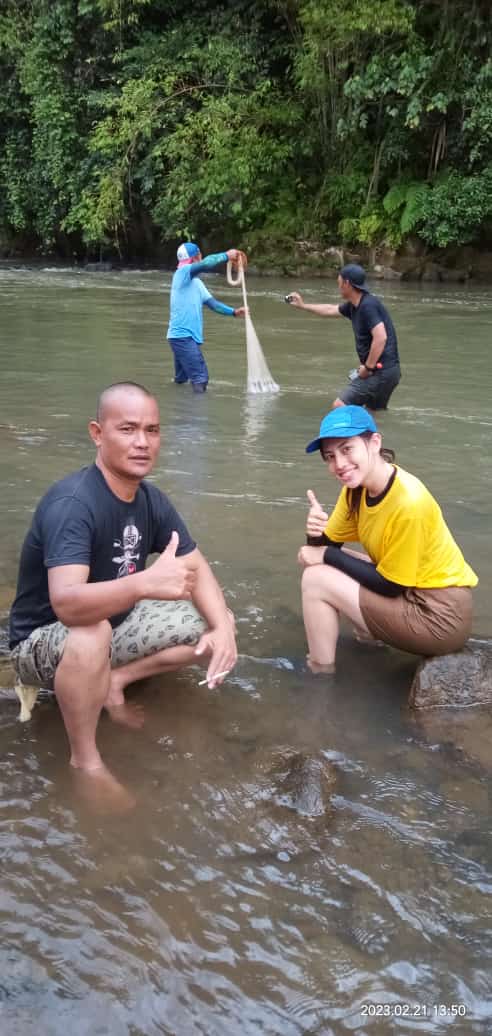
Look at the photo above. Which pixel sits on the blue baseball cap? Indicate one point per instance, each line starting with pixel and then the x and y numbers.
pixel 355 275
pixel 343 423
pixel 187 250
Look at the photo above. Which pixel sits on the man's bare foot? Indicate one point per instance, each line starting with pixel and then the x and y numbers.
pixel 115 694
pixel 103 793
pixel 128 714
pixel 319 667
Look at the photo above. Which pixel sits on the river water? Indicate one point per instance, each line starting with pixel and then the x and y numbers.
pixel 213 908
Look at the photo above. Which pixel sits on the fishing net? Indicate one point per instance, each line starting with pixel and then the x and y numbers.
pixel 259 377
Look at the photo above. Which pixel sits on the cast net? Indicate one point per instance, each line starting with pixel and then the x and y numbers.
pixel 259 377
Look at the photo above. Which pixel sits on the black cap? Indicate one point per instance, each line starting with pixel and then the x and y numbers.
pixel 355 275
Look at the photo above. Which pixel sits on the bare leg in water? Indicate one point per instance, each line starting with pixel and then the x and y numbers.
pixel 84 684
pixel 81 687
pixel 327 594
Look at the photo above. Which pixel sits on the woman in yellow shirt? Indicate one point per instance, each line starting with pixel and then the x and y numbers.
pixel 412 589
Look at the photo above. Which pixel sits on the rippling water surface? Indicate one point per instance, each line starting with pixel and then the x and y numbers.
pixel 216 908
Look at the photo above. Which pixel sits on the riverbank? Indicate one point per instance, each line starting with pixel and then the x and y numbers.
pixel 414 263
pixel 301 259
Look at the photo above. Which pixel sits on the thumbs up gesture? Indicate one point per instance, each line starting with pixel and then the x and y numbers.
pixel 170 578
pixel 317 517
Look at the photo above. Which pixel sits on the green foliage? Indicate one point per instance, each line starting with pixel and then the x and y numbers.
pixel 230 121
pixel 404 202
pixel 477 116
pixel 450 212
pixel 369 228
pixel 239 151
pixel 455 209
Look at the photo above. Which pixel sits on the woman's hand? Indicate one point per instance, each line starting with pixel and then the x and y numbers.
pixel 317 518
pixel 311 556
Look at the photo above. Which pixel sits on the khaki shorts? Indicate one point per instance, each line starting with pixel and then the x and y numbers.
pixel 150 627
pixel 424 622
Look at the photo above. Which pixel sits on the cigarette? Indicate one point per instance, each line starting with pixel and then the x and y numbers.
pixel 210 679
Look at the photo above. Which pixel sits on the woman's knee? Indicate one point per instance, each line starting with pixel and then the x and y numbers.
pixel 317 579
pixel 335 588
pixel 309 580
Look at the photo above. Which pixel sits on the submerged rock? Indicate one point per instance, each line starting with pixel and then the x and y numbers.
pixel 454 681
pixel 304 783
pixel 463 736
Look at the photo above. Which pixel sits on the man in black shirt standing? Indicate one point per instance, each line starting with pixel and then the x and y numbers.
pixel 89 617
pixel 379 372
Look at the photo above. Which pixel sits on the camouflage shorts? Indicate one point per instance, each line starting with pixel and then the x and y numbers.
pixel 150 627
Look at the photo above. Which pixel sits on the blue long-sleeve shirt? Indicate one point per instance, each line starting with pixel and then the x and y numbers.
pixel 189 295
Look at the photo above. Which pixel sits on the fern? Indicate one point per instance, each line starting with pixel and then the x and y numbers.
pixel 395 198
pixel 412 212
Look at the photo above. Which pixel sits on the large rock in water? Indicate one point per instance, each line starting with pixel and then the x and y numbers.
pixel 454 681
pixel 303 782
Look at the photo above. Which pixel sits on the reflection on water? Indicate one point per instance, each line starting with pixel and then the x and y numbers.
pixel 219 908
pixel 259 412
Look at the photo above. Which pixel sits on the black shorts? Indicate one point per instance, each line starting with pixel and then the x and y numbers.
pixel 374 391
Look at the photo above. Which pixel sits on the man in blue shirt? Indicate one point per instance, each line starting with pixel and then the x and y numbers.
pixel 379 372
pixel 188 296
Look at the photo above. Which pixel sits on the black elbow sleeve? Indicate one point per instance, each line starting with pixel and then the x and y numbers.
pixel 365 572
pixel 322 541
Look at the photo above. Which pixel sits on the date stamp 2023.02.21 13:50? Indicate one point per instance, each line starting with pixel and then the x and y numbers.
pixel 398 1009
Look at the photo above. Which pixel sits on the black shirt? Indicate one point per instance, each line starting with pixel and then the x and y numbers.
pixel 364 317
pixel 80 521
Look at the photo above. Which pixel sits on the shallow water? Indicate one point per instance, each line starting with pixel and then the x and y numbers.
pixel 214 909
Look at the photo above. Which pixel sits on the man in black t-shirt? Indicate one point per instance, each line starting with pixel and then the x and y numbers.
pixel 89 617
pixel 379 372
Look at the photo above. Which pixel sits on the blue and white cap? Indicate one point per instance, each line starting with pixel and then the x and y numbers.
pixel 187 251
pixel 343 423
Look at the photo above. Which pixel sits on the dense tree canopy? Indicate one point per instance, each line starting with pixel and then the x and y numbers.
pixel 128 123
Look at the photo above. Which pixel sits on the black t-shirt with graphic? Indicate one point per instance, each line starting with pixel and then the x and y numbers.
pixel 364 317
pixel 80 521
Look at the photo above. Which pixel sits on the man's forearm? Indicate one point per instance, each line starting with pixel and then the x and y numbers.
pixel 219 307
pixel 376 351
pixel 208 596
pixel 321 309
pixel 82 604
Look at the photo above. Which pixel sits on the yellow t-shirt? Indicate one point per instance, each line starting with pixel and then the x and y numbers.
pixel 405 535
